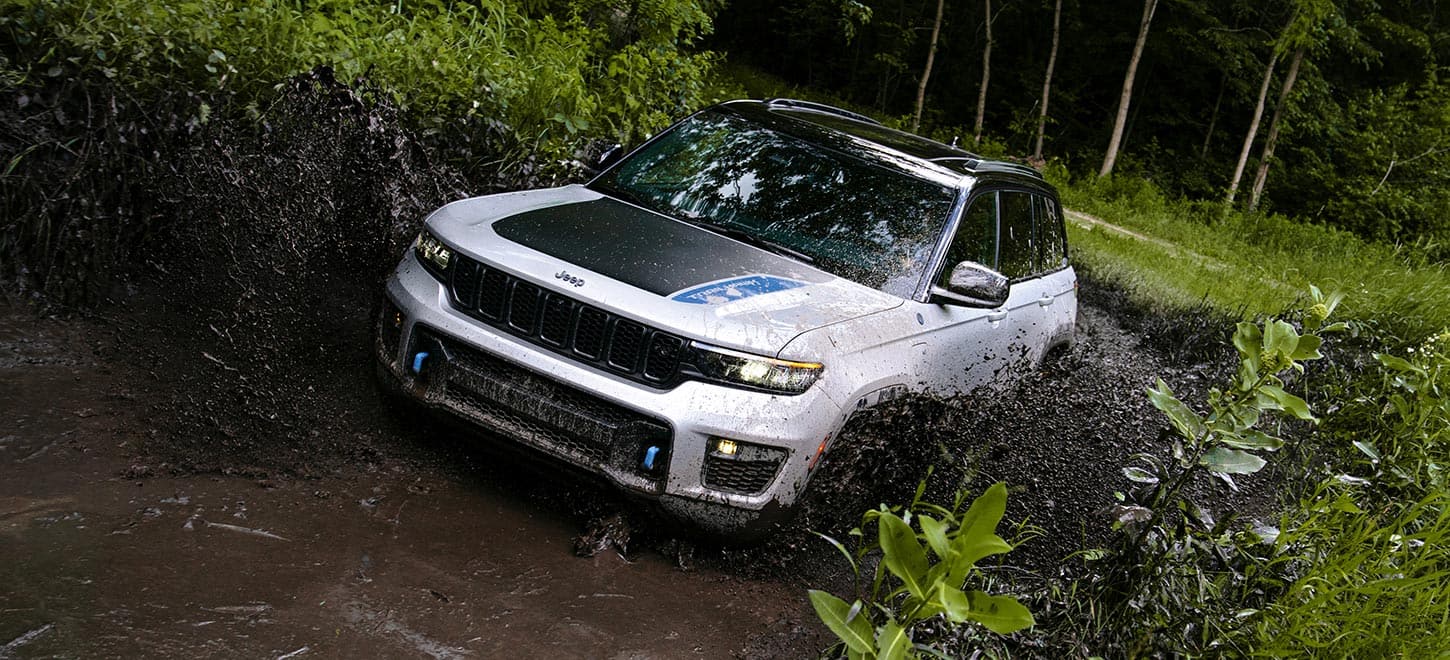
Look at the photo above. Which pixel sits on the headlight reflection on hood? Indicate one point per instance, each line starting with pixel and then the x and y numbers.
pixel 757 371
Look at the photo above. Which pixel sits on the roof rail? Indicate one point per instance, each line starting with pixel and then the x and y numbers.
pixel 820 107
pixel 979 164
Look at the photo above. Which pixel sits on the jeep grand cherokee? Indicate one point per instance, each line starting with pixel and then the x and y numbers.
pixel 698 322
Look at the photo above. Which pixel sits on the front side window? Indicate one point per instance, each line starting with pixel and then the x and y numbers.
pixel 853 218
pixel 976 238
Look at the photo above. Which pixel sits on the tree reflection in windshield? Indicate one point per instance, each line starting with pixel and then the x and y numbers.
pixel 858 220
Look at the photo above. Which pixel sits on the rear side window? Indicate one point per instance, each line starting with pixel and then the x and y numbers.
pixel 1018 254
pixel 1051 246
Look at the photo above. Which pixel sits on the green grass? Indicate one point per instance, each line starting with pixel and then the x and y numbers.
pixel 1250 264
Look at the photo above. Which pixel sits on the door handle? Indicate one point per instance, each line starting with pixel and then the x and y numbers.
pixel 1045 300
pixel 996 316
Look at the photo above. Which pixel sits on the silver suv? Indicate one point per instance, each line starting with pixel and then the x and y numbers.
pixel 699 322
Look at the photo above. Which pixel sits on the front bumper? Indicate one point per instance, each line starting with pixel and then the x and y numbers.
pixel 602 422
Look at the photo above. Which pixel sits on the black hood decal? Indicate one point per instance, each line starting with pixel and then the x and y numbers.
pixel 643 248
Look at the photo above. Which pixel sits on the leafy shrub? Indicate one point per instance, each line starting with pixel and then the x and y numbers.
pixel 1363 563
pixel 1179 574
pixel 550 81
pixel 920 573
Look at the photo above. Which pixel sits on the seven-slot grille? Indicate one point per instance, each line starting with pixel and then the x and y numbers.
pixel 560 323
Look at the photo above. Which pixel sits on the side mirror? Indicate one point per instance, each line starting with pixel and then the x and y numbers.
pixel 973 285
pixel 609 156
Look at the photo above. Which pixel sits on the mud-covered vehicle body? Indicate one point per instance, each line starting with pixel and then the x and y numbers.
pixel 698 322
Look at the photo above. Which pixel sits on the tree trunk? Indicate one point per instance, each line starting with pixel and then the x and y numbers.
pixel 1213 119
pixel 1268 155
pixel 1047 83
pixel 1233 184
pixel 986 75
pixel 926 73
pixel 1111 156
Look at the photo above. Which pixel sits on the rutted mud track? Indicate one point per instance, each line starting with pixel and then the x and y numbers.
pixel 203 466
pixel 367 530
pixel 407 547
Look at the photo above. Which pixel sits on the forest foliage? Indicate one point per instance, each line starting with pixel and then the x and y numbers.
pixel 542 75
pixel 1363 137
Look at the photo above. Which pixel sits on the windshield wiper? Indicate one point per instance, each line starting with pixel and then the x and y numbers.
pixel 747 237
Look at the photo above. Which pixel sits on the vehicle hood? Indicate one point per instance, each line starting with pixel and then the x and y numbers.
pixel 657 270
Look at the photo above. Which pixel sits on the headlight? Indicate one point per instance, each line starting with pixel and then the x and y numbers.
pixel 756 371
pixel 434 255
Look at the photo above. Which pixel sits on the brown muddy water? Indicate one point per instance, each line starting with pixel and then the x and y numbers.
pixel 102 556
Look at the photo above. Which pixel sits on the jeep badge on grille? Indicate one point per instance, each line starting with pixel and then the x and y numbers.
pixel 564 275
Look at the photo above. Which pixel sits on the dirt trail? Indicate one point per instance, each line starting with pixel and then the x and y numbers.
pixel 99 557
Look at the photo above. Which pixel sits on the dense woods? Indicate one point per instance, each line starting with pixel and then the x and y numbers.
pixel 1333 111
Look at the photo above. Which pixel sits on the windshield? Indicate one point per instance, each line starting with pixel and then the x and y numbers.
pixel 865 222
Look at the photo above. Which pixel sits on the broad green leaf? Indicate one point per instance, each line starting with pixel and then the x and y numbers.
pixel 1231 461
pixel 1248 373
pixel 1140 475
pixel 905 557
pixel 935 532
pixel 855 631
pixel 1264 401
pixel 1291 404
pixel 1000 614
pixel 892 642
pixel 976 537
pixel 1188 423
pixel 1346 505
pixel 1308 348
pixel 1238 418
pixel 1252 439
pixel 1249 341
pixel 1280 337
pixel 1397 363
pixel 973 552
pixel 954 603
pixel 985 512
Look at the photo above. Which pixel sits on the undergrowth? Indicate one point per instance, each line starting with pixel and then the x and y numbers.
pixel 1251 263
pixel 547 78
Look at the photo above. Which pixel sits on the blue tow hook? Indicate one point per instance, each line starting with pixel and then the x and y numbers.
pixel 649 457
pixel 418 359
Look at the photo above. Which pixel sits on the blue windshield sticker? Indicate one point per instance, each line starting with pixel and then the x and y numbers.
pixel 735 288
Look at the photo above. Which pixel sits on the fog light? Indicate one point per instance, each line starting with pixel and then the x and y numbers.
pixel 726 447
